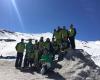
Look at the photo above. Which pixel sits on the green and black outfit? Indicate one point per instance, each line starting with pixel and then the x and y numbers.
pixel 29 56
pixel 20 49
pixel 72 34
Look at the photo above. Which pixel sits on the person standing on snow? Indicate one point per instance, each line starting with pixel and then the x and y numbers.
pixel 57 35
pixel 36 53
pixel 48 45
pixel 72 34
pixel 29 56
pixel 20 47
pixel 55 49
pixel 40 47
pixel 64 33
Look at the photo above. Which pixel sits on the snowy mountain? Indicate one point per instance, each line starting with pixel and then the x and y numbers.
pixel 80 64
pixel 9 39
pixel 8 48
pixel 5 34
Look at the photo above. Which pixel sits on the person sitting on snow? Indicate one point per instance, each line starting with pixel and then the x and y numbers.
pixel 46 60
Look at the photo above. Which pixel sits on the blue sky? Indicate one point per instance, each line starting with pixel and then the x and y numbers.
pixel 38 16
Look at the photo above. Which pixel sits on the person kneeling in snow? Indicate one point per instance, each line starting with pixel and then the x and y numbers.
pixel 46 61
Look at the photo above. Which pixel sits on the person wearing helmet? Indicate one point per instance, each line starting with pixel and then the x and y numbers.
pixel 72 34
pixel 20 47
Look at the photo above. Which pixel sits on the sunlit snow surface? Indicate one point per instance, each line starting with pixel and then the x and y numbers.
pixel 92 48
pixel 8 48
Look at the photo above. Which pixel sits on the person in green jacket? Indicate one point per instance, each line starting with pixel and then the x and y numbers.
pixel 20 47
pixel 64 33
pixel 36 57
pixel 72 34
pixel 55 48
pixel 40 47
pixel 36 43
pixel 41 43
pixel 48 45
pixel 55 34
pixel 46 58
pixel 58 35
pixel 36 52
pixel 29 56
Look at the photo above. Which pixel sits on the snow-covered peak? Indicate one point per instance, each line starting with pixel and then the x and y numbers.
pixel 5 31
pixel 5 34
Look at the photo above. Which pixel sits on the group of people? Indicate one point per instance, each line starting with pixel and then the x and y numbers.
pixel 45 51
pixel 63 35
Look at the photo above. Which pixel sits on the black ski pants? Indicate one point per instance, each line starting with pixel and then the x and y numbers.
pixel 19 59
pixel 72 42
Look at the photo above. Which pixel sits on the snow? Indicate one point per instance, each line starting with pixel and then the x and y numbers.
pixel 65 70
pixel 92 48
pixel 8 48
pixel 8 72
pixel 69 71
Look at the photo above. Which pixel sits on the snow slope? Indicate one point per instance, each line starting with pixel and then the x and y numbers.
pixel 90 47
pixel 74 66
pixel 8 48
